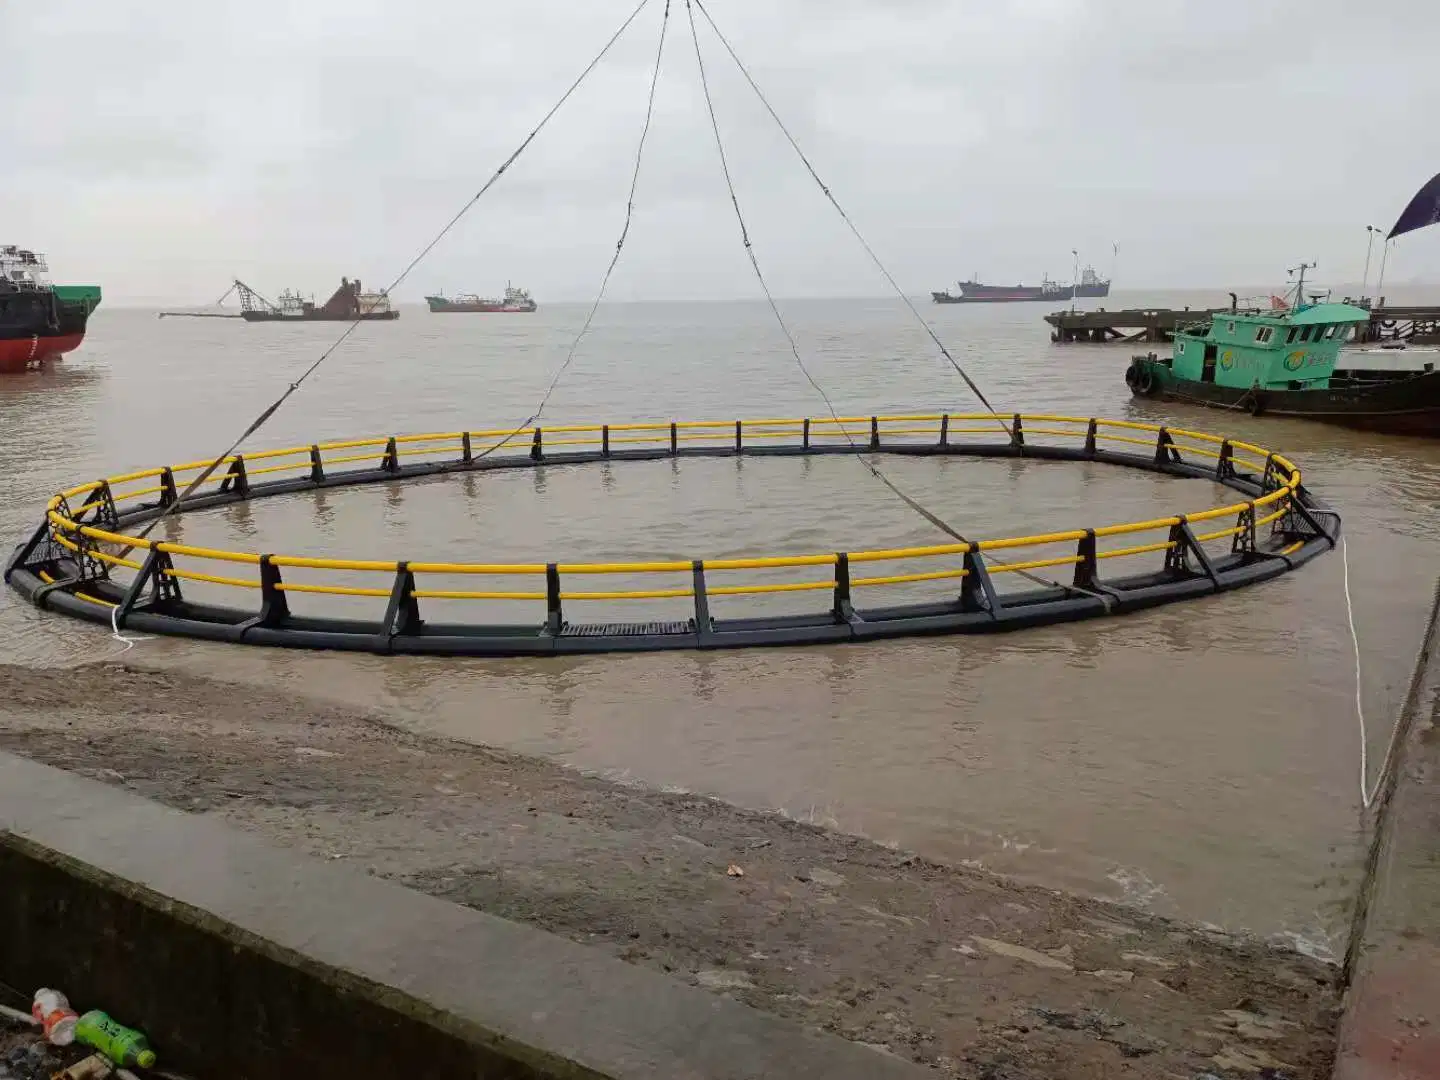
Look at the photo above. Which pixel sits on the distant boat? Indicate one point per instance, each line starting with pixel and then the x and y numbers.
pixel 973 292
pixel 516 300
pixel 348 303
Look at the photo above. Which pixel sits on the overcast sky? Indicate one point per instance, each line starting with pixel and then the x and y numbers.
pixel 162 148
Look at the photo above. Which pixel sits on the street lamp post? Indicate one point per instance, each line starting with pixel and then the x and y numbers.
pixel 1370 231
pixel 1380 283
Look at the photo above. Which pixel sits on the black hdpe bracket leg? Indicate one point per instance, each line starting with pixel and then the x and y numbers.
pixel 1186 547
pixel 977 592
pixel 23 554
pixel 843 611
pixel 235 479
pixel 274 607
pixel 402 616
pixel 1297 506
pixel 554 612
pixel 155 577
pixel 704 625
pixel 1087 570
pixel 1165 451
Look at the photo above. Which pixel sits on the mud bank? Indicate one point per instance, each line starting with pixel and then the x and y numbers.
pixel 971 974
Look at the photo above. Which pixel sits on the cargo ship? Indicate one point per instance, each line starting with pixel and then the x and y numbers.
pixel 349 303
pixel 38 320
pixel 516 300
pixel 1090 284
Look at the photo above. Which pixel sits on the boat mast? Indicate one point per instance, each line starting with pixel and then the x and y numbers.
pixel 1300 285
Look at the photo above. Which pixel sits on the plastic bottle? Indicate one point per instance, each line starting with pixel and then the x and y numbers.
pixel 55 1015
pixel 122 1045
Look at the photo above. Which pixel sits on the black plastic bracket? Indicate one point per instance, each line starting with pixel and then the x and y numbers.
pixel 805 434
pixel 27 551
pixel 391 461
pixel 874 433
pixel 1092 432
pixel 674 438
pixel 605 441
pixel 274 605
pixel 155 576
pixel 467 453
pixel 554 614
pixel 1298 508
pixel 168 495
pixel 704 625
pixel 1225 464
pixel 977 592
pixel 235 479
pixel 945 429
pixel 101 506
pixel 402 616
pixel 537 447
pixel 317 465
pixel 1017 432
pixel 1271 479
pixel 1165 451
pixel 843 610
pixel 1186 547
pixel 739 445
pixel 1087 570
pixel 1243 541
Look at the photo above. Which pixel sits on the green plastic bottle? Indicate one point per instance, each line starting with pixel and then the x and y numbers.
pixel 122 1045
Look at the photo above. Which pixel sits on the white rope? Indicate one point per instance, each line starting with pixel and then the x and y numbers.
pixel 130 643
pixel 1367 794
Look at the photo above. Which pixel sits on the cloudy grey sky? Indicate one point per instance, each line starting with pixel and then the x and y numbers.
pixel 161 148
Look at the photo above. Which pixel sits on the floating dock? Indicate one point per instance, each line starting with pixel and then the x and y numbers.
pixel 1417 325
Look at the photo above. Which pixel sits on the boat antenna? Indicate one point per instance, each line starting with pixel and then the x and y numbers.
pixel 1300 284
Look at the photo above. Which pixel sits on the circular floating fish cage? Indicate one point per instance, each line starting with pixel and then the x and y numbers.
pixel 87 560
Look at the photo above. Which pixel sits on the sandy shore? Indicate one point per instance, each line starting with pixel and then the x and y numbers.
pixel 969 973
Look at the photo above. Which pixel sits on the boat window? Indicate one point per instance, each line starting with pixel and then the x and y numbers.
pixel 1264 333
pixel 1291 336
pixel 1330 332
pixel 1305 334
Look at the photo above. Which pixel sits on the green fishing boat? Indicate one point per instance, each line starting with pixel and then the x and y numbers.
pixel 1286 361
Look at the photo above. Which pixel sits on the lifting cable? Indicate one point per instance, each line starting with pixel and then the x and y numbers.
pixel 870 465
pixel 615 258
pixel 929 330
pixel 384 294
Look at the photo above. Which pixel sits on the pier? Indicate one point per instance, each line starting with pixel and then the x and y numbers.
pixel 1415 325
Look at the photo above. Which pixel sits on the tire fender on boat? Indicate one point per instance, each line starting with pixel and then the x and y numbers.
pixel 1144 381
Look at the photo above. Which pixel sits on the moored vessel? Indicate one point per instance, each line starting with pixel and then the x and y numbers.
pixel 38 320
pixel 1287 361
pixel 515 301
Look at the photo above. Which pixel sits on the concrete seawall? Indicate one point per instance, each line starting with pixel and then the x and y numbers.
pixel 241 960
pixel 1391 1028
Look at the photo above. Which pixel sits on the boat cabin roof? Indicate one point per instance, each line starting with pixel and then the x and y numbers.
pixel 1327 313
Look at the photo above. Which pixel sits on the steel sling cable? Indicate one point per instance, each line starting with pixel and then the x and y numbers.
pixel 929 330
pixel 614 259
pixel 775 308
pixel 874 470
pixel 260 420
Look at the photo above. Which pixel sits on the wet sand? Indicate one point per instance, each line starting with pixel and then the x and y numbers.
pixel 952 966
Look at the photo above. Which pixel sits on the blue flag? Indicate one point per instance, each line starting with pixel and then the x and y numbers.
pixel 1424 209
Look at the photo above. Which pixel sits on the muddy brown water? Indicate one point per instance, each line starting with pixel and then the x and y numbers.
pixel 1200 760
